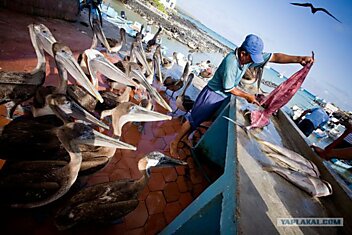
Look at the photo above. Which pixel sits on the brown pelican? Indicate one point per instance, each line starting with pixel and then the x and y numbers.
pixel 166 62
pixel 136 60
pixel 34 135
pixel 29 189
pixel 252 76
pixel 152 42
pixel 96 62
pixel 157 64
pixel 65 62
pixel 130 112
pixel 145 102
pixel 98 35
pixel 21 86
pixel 183 101
pixel 141 57
pixel 37 142
pixel 108 202
pixel 116 45
pixel 152 92
pixel 176 84
pixel 21 132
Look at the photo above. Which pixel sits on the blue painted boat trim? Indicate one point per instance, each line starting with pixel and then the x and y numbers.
pixel 199 216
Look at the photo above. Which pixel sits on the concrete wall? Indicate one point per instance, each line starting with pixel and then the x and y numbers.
pixel 62 9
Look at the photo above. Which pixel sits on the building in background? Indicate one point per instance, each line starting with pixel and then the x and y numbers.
pixel 168 3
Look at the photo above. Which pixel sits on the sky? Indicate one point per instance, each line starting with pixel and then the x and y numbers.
pixel 292 30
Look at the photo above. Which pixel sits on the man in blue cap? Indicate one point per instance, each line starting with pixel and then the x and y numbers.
pixel 225 80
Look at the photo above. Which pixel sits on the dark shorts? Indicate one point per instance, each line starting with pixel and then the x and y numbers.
pixel 306 127
pixel 205 106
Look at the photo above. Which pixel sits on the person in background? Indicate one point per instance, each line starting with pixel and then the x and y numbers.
pixel 225 80
pixel 341 148
pixel 314 118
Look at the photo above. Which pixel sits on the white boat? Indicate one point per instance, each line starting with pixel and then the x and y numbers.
pixel 109 14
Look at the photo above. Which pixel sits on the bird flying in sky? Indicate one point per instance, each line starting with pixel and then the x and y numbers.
pixel 314 9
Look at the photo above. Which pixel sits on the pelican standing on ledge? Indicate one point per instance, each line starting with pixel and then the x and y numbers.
pixel 108 202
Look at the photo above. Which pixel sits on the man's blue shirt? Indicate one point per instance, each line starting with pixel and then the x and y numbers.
pixel 318 117
pixel 230 72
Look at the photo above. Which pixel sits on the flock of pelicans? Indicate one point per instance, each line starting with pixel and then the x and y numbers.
pixel 45 152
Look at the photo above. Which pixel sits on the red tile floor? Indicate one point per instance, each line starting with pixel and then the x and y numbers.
pixel 169 190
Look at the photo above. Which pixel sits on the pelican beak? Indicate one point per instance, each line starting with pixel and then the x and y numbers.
pixel 98 63
pixel 157 63
pixel 153 93
pixel 97 30
pixel 67 109
pixel 87 135
pixel 66 58
pixel 140 55
pixel 45 37
pixel 166 161
pixel 137 113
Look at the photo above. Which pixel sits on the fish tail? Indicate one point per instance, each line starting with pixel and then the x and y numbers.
pixel 246 129
pixel 235 122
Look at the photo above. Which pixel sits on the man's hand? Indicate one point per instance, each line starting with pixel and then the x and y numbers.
pixel 251 99
pixel 306 60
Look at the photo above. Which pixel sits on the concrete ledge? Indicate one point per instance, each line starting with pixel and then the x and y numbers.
pixel 339 204
pixel 61 9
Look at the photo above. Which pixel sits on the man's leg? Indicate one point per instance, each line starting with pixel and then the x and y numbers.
pixel 185 129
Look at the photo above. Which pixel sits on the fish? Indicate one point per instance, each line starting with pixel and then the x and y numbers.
pixel 271 148
pixel 279 97
pixel 287 153
pixel 292 164
pixel 312 185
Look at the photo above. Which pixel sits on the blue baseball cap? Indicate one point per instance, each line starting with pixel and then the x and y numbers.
pixel 254 46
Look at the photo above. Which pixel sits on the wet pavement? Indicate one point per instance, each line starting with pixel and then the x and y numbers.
pixel 169 190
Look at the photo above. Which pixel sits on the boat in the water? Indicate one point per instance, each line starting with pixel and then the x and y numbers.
pixel 110 15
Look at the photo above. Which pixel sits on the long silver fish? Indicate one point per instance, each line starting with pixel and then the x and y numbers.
pixel 312 185
pixel 292 164
pixel 270 148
